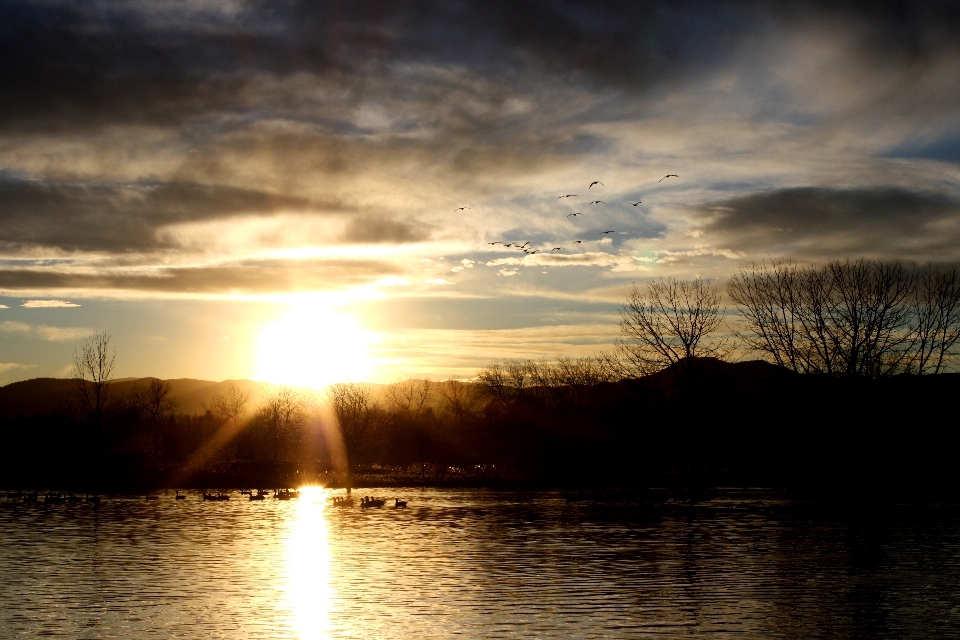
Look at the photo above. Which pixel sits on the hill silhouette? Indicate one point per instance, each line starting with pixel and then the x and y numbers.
pixel 699 422
pixel 49 395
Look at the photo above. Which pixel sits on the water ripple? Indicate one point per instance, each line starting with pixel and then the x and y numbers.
pixel 478 564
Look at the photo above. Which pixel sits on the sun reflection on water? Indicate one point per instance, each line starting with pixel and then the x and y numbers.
pixel 309 588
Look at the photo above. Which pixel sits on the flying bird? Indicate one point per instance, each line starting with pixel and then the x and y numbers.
pixel 524 244
pixel 461 208
pixel 605 232
pixel 508 245
pixel 636 203
pixel 491 243
pixel 669 175
pixel 598 202
pixel 577 241
pixel 570 195
pixel 556 249
pixel 574 214
pixel 533 252
pixel 596 182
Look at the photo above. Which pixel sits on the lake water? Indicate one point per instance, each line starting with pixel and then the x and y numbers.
pixel 477 563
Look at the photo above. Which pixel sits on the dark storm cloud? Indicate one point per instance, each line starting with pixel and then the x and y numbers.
pixel 123 217
pixel 69 65
pixel 249 277
pixel 369 229
pixel 822 221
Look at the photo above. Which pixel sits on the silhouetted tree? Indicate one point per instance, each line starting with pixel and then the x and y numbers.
pixel 671 320
pixel 284 414
pixel 92 371
pixel 229 405
pixel 852 318
pixel 409 397
pixel 153 400
pixel 360 418
pixel 936 302
pixel 507 381
pixel 459 399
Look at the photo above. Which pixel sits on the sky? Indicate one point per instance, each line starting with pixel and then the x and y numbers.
pixel 273 190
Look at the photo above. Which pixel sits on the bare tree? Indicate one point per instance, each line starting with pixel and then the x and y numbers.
pixel 493 380
pixel 153 400
pixel 284 412
pixel 851 318
pixel 229 405
pixel 936 303
pixel 409 397
pixel 460 399
pixel 92 371
pixel 360 418
pixel 507 380
pixel 669 321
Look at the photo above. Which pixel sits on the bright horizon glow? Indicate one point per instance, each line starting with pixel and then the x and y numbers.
pixel 315 347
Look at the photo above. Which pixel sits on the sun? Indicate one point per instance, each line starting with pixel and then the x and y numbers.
pixel 311 345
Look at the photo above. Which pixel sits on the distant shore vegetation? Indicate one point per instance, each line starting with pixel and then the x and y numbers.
pixel 845 343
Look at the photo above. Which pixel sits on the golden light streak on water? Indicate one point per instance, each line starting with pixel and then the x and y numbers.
pixel 309 587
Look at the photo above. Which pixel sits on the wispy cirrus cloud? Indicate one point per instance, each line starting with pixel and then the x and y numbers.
pixel 44 332
pixel 48 304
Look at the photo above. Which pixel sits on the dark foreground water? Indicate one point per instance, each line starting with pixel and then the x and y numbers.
pixel 478 564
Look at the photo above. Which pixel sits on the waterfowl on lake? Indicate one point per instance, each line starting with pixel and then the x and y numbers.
pixel 400 504
pixel 215 497
pixel 179 497
pixel 259 495
pixel 55 498
pixel 369 503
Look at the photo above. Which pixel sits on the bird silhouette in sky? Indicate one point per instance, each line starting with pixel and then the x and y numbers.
pixel 524 245
pixel 636 203
pixel 577 241
pixel 533 252
pixel 570 195
pixel 606 232
pixel 598 202
pixel 461 208
pixel 491 243
pixel 574 214
pixel 556 249
pixel 669 175
pixel 596 182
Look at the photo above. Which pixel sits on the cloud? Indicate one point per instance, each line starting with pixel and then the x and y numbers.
pixel 507 272
pixel 13 366
pixel 48 304
pixel 617 262
pixel 247 276
pixel 437 281
pixel 368 229
pixel 3 306
pixel 821 221
pixel 122 218
pixel 45 332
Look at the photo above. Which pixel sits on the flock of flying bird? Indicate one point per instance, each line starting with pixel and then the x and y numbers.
pixel 524 246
